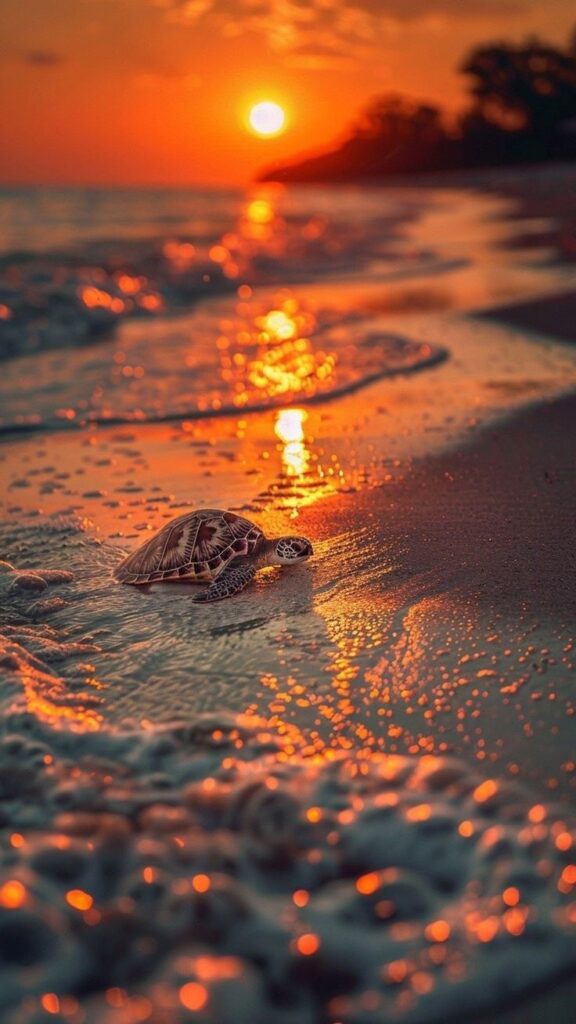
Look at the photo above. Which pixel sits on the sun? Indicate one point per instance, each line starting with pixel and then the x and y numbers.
pixel 267 118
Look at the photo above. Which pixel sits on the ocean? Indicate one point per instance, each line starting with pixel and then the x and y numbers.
pixel 77 265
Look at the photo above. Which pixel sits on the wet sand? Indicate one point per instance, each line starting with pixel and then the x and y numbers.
pixel 478 566
pixel 553 316
pixel 402 636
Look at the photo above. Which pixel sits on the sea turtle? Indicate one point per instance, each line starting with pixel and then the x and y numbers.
pixel 209 546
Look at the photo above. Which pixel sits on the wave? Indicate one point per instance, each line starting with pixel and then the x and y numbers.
pixel 404 357
pixel 86 262
pixel 201 322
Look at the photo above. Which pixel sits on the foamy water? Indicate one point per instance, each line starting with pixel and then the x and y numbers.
pixel 90 296
pixel 229 814
pixel 205 870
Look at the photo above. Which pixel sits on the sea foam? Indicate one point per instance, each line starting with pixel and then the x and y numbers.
pixel 202 871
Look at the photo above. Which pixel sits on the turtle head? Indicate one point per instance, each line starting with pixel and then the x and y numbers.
pixel 288 550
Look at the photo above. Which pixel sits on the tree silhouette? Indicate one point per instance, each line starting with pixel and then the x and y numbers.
pixel 399 120
pixel 530 88
pixel 523 108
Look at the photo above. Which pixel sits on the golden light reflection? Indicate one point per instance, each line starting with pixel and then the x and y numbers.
pixel 48 699
pixel 260 226
pixel 79 899
pixel 269 355
pixel 260 211
pixel 307 944
pixel 12 895
pixel 296 459
pixel 193 996
pixel 279 325
pixel 135 292
pixel 50 1002
pixel 180 254
pixel 375 708
pixel 289 427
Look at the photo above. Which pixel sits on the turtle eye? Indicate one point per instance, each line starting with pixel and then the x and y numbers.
pixel 291 549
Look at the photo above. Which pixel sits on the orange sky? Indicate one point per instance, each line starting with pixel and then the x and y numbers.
pixel 156 91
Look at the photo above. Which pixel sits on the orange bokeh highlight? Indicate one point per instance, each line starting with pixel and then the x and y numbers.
pixel 307 944
pixel 485 790
pixel 79 899
pixel 12 895
pixel 193 995
pixel 201 883
pixel 367 884
pixel 564 841
pixel 487 929
pixel 437 931
pixel 569 875
pixel 511 896
pixel 515 921
pixel 213 968
pixel 419 813
pixel 396 971
pixel 50 1002
pixel 301 897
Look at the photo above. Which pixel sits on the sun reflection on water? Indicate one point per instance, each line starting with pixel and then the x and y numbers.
pixel 278 324
pixel 259 223
pixel 289 428
pixel 260 211
pixel 267 354
pixel 290 425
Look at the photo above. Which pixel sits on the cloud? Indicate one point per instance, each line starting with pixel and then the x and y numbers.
pixel 322 33
pixel 419 10
pixel 318 33
pixel 43 58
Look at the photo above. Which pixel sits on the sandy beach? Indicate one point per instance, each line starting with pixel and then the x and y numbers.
pixel 388 728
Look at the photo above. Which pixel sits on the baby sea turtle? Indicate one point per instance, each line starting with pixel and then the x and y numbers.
pixel 210 546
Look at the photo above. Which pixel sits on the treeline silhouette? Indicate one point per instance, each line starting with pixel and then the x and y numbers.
pixel 522 109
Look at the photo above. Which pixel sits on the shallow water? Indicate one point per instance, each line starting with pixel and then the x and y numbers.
pixel 288 853
pixel 64 305
pixel 235 870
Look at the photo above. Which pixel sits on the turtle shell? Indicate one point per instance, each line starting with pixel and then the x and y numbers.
pixel 197 546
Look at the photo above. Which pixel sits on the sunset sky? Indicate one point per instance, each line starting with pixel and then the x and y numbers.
pixel 158 91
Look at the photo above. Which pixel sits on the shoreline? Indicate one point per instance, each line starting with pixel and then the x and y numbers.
pixel 13 431
pixel 481 177
pixel 439 560
pixel 528 446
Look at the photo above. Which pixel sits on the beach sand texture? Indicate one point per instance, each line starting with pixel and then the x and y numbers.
pixel 345 795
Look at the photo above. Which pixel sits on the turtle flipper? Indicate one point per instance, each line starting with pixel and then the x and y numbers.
pixel 230 582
